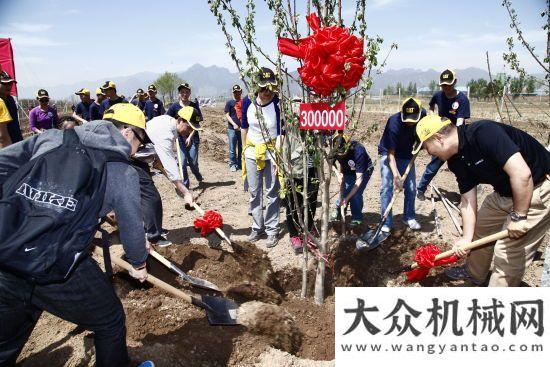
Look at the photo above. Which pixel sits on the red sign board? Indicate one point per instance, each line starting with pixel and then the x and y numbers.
pixel 6 61
pixel 320 116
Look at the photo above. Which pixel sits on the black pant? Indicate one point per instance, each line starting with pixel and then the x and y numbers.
pixel 151 203
pixel 292 219
pixel 86 299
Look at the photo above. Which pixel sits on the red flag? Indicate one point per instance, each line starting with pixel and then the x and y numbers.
pixel 6 61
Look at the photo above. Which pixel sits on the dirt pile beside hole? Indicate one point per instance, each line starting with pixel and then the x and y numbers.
pixel 250 291
pixel 272 322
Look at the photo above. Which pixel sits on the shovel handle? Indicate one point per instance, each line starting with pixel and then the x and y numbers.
pixel 151 279
pixel 164 261
pixel 470 246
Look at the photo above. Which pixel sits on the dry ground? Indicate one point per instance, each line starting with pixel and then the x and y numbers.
pixel 173 333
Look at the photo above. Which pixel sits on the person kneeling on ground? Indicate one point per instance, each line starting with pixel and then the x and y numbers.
pixel 353 174
pixel 85 297
pixel 395 150
pixel 518 168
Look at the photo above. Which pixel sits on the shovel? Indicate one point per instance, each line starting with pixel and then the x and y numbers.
pixel 219 311
pixel 201 283
pixel 372 238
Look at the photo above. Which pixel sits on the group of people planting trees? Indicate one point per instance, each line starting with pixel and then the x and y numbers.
pixel 122 139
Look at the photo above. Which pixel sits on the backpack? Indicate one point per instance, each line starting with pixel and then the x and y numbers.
pixel 49 210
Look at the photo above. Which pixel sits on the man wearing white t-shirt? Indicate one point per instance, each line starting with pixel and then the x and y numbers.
pixel 260 139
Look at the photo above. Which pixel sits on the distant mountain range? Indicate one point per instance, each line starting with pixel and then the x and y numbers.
pixel 213 81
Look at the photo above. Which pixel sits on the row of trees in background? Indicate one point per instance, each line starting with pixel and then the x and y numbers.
pixel 483 89
pixel 410 90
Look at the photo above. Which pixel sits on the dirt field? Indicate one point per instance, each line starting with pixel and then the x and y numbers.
pixel 174 333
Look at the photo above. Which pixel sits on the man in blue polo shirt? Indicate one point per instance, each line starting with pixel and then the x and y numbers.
pixel 82 110
pixel 153 106
pixel 109 88
pixel 13 128
pixel 353 174
pixel 232 115
pixel 451 104
pixel 95 107
pixel 139 99
pixel 190 145
pixel 395 150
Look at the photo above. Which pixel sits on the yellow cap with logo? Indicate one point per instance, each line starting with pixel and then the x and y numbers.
pixel 190 115
pixel 125 113
pixel 427 127
pixel 83 91
pixel 98 91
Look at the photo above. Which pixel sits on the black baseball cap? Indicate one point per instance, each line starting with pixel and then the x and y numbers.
pixel 237 88
pixel 411 110
pixel 184 86
pixel 152 88
pixel 266 77
pixel 447 77
pixel 140 91
pixel 5 78
pixel 42 93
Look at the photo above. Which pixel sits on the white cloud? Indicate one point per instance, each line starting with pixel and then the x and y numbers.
pixel 30 27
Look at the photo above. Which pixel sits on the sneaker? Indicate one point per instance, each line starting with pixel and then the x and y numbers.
pixel 163 242
pixel 164 232
pixel 233 169
pixel 296 244
pixel 461 273
pixel 146 364
pixel 420 195
pixel 412 224
pixel 336 215
pixel 255 236
pixel 272 241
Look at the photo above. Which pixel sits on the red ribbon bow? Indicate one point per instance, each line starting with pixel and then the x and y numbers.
pixel 209 222
pixel 425 258
pixel 332 57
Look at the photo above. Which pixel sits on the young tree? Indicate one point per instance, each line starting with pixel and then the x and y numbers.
pixel 516 86
pixel 167 85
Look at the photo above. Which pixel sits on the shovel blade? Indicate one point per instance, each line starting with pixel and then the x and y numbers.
pixel 220 311
pixel 371 240
pixel 197 282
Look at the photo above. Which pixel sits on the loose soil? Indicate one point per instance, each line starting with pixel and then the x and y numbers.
pixel 174 333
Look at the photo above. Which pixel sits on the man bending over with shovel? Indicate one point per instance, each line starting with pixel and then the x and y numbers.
pixel 518 168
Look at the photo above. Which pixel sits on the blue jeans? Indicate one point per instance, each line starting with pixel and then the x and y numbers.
pixel 386 190
pixel 235 143
pixel 190 157
pixel 356 202
pixel 86 298
pixel 430 172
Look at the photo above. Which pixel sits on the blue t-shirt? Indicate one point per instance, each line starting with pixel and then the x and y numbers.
pixel 95 112
pixel 175 107
pixel 451 108
pixel 14 130
pixel 399 137
pixel 356 161
pixel 108 103
pixel 153 108
pixel 139 104
pixel 83 110
pixel 230 109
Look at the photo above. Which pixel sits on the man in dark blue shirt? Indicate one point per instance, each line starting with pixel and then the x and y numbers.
pixel 233 115
pixel 109 88
pixel 451 104
pixel 190 145
pixel 139 99
pixel 518 168
pixel 82 110
pixel 153 106
pixel 395 150
pixel 95 107
pixel 14 130
pixel 355 169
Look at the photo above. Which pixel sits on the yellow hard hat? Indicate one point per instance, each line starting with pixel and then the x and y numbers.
pixel 125 113
pixel 192 117
pixel 427 127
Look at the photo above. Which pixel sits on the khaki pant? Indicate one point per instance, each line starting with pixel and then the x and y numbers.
pixel 511 256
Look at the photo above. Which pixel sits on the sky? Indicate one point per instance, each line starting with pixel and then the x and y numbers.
pixel 64 41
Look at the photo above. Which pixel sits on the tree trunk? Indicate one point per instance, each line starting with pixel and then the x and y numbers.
pixel 325 208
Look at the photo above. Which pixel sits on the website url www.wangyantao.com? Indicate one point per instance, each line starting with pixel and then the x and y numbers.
pixel 441 348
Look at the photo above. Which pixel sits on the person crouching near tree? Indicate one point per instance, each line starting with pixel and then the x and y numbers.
pixel 518 168
pixel 353 173
pixel 261 137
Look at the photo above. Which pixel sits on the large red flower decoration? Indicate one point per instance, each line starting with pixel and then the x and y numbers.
pixel 332 57
pixel 209 222
pixel 425 258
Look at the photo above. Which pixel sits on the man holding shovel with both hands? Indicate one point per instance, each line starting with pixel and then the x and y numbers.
pixel 518 168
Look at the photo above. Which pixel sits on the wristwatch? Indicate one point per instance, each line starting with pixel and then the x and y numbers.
pixel 140 267
pixel 515 217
